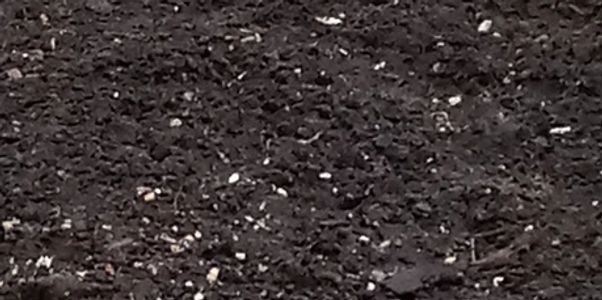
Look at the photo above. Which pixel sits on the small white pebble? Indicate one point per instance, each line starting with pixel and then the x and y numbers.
pixel 116 94
pixel 188 96
pixel 379 66
pixel 370 287
pixel 188 284
pixel 241 256
pixel 175 228
pixel 149 197
pixel 454 100
pixel 364 239
pixel 450 260
pixel 497 280
pixel 529 228
pixel 10 224
pixel 44 261
pixel 175 122
pixel 106 227
pixel 325 176
pixel 555 242
pixel 198 235
pixel 198 296
pixel 262 268
pixel 138 264
pixel 560 130
pixel 213 275
pixel 67 224
pixel 485 26
pixel 282 192
pixel 330 21
pixel 595 203
pixel 335 190
pixel 234 178
pixel 266 161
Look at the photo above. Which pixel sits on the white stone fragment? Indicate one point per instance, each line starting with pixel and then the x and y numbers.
pixel 454 100
pixel 497 280
pixel 370 287
pixel 325 176
pixel 175 122
pixel 450 260
pixel 282 192
pixel 10 224
pixel 560 130
pixel 364 239
pixel 240 256
pixel 188 284
pixel 234 178
pixel 44 261
pixel 198 235
pixel 379 66
pixel 529 228
pixel 485 26
pixel 199 296
pixel 329 21
pixel 213 275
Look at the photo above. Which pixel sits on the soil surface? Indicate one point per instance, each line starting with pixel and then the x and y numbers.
pixel 252 149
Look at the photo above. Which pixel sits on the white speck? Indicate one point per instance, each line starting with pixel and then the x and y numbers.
pixel 175 122
pixel 66 224
pixel 325 175
pixel 158 191
pixel 213 275
pixel 53 43
pixel 378 275
pixel 116 94
pixel 188 96
pixel 364 239
pixel 149 197
pixel 282 192
pixel 595 203
pixel 198 235
pixel 560 130
pixel 175 228
pixel 240 256
pixel 262 268
pixel 384 244
pixel 138 264
pixel 497 280
pixel 189 238
pixel 370 286
pixel 10 224
pixel 188 284
pixel 44 261
pixel 455 100
pixel 146 220
pixel 450 260
pixel 436 101
pixel 335 190
pixel 297 71
pixel 262 206
pixel 485 26
pixel 330 21
pixel 81 274
pixel 529 228
pixel 497 35
pixel 199 296
pixel 555 242
pixel 234 178
pixel 176 8
pixel 343 51
pixel 266 161
pixel 379 66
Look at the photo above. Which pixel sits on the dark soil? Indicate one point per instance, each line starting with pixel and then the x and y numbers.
pixel 125 124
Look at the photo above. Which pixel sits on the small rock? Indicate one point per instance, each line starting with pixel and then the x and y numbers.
pixel 188 284
pixel 10 224
pixel 14 74
pixel 485 26
pixel 282 192
pixel 213 275
pixel 44 261
pixel 240 256
pixel 199 296
pixel 234 178
pixel 175 122
pixel 325 176
pixel 560 130
pixel 497 280
pixel 188 96
pixel 450 260
pixel 330 21
pixel 149 197
pixel 378 275
pixel 455 100
pixel 370 287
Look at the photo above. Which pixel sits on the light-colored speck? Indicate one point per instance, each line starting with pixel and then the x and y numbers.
pixel 364 239
pixel 175 122
pixel 213 275
pixel 370 286
pixel 450 260
pixel 282 192
pixel 262 268
pixel 485 26
pixel 379 66
pixel 330 21
pixel 188 96
pixel 241 256
pixel 188 284
pixel 67 224
pixel 560 130
pixel 497 280
pixel 10 224
pixel 529 228
pixel 454 100
pixel 325 175
pixel 234 178
pixel 198 235
pixel 595 203
pixel 44 261
pixel 198 296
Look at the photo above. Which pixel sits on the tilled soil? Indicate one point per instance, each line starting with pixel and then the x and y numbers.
pixel 300 149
